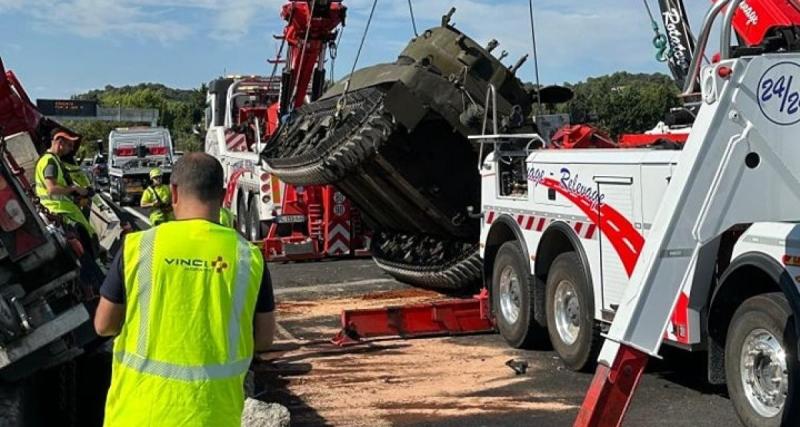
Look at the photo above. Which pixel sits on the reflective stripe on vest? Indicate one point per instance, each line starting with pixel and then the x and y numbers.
pixel 173 371
pixel 180 372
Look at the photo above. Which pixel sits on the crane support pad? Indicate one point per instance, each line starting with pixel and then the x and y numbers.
pixel 450 317
pixel 611 390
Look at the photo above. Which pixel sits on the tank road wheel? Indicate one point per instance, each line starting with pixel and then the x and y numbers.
pixel 242 219
pixel 512 298
pixel 570 313
pixel 761 366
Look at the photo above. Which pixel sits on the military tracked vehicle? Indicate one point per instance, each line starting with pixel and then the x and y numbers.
pixel 393 138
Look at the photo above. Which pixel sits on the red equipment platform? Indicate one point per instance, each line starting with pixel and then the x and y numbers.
pixel 437 318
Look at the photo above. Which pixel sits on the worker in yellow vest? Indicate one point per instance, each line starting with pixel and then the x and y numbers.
pixel 181 352
pixel 55 188
pixel 157 197
pixel 79 178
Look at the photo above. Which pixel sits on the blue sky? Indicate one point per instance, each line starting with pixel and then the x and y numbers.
pixel 62 47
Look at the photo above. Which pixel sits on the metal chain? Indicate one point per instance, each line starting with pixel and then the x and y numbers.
pixel 660 40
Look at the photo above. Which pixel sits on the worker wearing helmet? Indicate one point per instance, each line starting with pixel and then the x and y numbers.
pixel 158 198
pixel 54 186
pixel 182 352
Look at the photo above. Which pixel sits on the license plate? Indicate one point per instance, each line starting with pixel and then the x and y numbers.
pixel 290 219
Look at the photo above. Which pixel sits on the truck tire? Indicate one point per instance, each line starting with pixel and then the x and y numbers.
pixel 761 367
pixel 114 190
pixel 242 220
pixel 512 298
pixel 254 226
pixel 573 331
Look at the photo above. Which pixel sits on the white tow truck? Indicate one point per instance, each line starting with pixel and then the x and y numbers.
pixel 697 248
pixel 236 129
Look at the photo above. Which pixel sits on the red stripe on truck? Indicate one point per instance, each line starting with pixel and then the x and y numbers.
pixel 623 236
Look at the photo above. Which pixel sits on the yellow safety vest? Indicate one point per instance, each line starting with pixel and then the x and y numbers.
pixel 77 175
pixel 226 217
pixel 59 204
pixel 159 194
pixel 187 341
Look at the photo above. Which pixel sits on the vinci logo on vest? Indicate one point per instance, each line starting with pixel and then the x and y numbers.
pixel 218 264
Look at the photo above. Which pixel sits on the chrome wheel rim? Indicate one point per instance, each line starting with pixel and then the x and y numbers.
pixel 567 312
pixel 510 294
pixel 764 372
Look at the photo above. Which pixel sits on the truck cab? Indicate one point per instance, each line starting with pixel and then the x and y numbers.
pixel 132 153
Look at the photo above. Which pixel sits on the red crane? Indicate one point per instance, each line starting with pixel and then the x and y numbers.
pixel 315 221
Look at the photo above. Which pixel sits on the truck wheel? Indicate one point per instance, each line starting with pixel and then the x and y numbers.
pixel 761 366
pixel 512 298
pixel 254 226
pixel 570 313
pixel 114 190
pixel 242 220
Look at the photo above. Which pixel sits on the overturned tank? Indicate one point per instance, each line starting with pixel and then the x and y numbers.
pixel 393 138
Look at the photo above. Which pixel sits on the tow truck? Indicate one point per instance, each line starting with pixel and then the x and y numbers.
pixel 627 249
pixel 245 112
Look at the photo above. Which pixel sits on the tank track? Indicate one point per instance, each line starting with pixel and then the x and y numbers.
pixel 318 148
pixel 429 262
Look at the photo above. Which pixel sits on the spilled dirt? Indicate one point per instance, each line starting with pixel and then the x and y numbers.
pixel 388 382
pixel 295 310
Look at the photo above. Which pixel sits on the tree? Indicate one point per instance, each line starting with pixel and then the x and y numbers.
pixel 623 102
pixel 180 110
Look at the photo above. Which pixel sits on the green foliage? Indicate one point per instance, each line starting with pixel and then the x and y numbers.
pixel 92 132
pixel 179 110
pixel 623 102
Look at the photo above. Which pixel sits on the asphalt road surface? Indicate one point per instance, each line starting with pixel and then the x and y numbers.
pixel 672 393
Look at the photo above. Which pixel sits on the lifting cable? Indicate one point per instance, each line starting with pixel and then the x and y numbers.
pixel 334 53
pixel 535 58
pixel 340 104
pixel 413 20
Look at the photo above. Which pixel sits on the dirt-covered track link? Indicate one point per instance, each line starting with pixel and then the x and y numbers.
pixel 428 262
